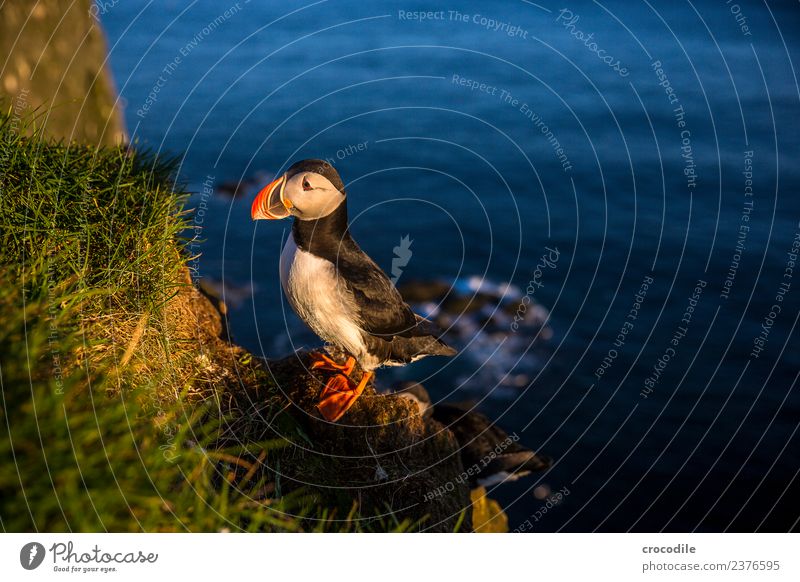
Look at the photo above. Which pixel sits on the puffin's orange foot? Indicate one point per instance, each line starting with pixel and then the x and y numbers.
pixel 320 361
pixel 339 394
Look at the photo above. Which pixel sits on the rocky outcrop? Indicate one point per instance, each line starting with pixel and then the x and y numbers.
pixel 383 458
pixel 382 454
pixel 56 66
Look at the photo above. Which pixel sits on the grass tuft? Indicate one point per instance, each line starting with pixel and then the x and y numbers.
pixel 102 432
pixel 124 409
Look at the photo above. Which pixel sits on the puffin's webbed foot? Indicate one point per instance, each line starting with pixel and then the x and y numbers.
pixel 339 394
pixel 320 361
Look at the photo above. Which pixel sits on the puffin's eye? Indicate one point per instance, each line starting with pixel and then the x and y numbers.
pixel 306 184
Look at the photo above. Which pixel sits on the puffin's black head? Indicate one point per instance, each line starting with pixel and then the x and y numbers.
pixel 309 190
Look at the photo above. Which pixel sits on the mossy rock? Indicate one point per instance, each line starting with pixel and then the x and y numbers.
pixel 381 454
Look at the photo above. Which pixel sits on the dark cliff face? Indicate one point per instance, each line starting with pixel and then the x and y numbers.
pixel 382 455
pixel 382 463
pixel 56 65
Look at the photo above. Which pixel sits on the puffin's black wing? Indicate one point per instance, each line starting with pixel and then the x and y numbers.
pixel 381 308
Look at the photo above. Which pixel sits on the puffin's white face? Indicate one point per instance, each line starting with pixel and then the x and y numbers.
pixel 306 195
pixel 311 196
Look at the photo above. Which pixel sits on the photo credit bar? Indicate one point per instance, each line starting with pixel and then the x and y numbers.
pixel 619 557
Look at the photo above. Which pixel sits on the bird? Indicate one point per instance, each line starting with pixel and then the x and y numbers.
pixel 495 456
pixel 337 289
pixel 488 454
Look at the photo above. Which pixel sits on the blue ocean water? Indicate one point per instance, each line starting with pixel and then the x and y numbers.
pixel 653 145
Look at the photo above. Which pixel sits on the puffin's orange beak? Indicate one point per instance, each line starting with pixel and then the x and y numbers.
pixel 270 203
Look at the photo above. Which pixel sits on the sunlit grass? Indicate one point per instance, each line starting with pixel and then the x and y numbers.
pixel 122 409
pixel 89 251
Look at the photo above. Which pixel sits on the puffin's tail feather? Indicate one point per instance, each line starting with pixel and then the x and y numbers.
pixel 438 348
pixel 411 349
pixel 429 345
pixel 420 341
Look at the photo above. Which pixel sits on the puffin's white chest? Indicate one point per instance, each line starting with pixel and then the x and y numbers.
pixel 312 286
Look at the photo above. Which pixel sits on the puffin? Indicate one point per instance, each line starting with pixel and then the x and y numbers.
pixel 486 449
pixel 497 457
pixel 337 289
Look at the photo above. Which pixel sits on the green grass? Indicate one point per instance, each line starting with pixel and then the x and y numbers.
pixel 89 248
pixel 106 217
pixel 122 409
pixel 78 457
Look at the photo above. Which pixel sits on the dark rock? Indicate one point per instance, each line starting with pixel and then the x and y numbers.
pixel 416 394
pixel 488 453
pixel 416 291
pixel 465 304
pixel 232 189
pixel 382 453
